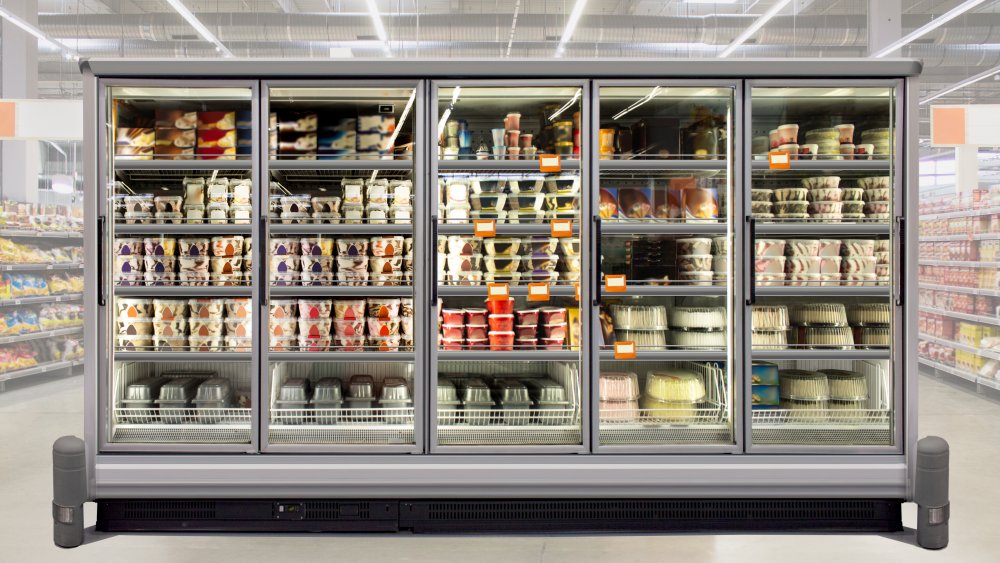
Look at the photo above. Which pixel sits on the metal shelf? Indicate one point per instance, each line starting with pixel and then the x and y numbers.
pixel 341 229
pixel 509 356
pixel 617 227
pixel 366 164
pixel 671 355
pixel 342 291
pixel 804 229
pixel 46 367
pixel 957 372
pixel 505 229
pixel 27 233
pixel 957 289
pixel 963 237
pixel 183 291
pixel 39 267
pixel 183 356
pixel 500 165
pixel 960 263
pixel 373 356
pixel 207 165
pixel 41 334
pixel 984 352
pixel 41 300
pixel 960 213
pixel 831 354
pixel 520 290
pixel 663 164
pixel 994 321
pixel 822 427
pixel 171 229
pixel 884 291
pixel 668 291
pixel 822 165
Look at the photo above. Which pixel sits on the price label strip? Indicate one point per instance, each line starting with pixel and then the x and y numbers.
pixel 562 228
pixel 615 283
pixel 779 160
pixel 549 163
pixel 485 228
pixel 624 350
pixel 538 291
pixel 497 291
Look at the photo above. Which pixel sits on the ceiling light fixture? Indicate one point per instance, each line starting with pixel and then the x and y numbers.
pixel 194 22
pixel 929 27
pixel 6 14
pixel 379 26
pixel 513 26
pixel 574 18
pixel 637 103
pixel 961 84
pixel 754 28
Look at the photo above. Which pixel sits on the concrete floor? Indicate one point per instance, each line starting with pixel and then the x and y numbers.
pixel 32 417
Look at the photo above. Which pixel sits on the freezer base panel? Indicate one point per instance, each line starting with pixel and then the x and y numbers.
pixel 395 477
pixel 487 515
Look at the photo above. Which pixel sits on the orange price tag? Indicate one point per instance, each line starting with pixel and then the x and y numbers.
pixel 615 283
pixel 538 292
pixel 549 163
pixel 485 228
pixel 624 350
pixel 497 291
pixel 562 228
pixel 779 160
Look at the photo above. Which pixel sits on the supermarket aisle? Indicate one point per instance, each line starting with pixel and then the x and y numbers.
pixel 31 418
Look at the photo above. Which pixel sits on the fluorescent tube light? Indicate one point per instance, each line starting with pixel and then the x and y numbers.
pixel 38 33
pixel 574 18
pixel 402 119
pixel 929 27
pixel 637 103
pixel 754 28
pixel 379 26
pixel 961 84
pixel 194 22
pixel 567 105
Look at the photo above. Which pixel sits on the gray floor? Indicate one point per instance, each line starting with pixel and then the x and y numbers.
pixel 32 417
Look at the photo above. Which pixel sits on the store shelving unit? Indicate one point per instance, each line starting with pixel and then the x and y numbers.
pixel 269 448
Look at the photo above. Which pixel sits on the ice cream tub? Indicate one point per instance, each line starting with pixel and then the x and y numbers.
pixel 194 263
pixel 128 246
pixel 551 343
pixel 391 265
pixel 383 327
pixel 352 247
pixel 159 246
pixel 283 279
pixel 803 247
pixel 384 343
pixel 353 327
pixel 858 279
pixel 167 343
pixel 239 343
pixel 135 326
pixel 526 331
pixel 352 263
pixel 348 278
pixel 159 264
pixel 801 279
pixel 548 315
pixel 770 265
pixel 501 341
pixel 694 262
pixel 383 308
pixel 128 264
pixel 689 246
pixel 285 327
pixel 314 327
pixel 477 332
pixel 766 248
pixel 205 343
pixel 452 344
pixel 315 308
pixel 316 246
pixel 227 265
pixel 126 342
pixel 238 308
pixel 133 308
pixel 194 246
pixel 169 309
pixel 227 245
pixel 349 309
pixel 557 330
pixel 284 247
pixel 858 265
pixel 858 247
pixel 700 277
pixel 317 264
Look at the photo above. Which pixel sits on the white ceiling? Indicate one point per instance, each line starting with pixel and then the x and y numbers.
pixel 483 28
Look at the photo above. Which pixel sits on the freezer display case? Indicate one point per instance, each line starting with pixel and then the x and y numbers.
pixel 824 323
pixel 508 267
pixel 588 280
pixel 342 222
pixel 664 232
pixel 176 284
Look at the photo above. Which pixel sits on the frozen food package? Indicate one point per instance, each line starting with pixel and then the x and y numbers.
pixel 218 120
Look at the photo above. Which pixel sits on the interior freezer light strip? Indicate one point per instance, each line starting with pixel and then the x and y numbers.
pixel 567 105
pixel 961 84
pixel 38 33
pixel 399 127
pixel 574 18
pixel 754 28
pixel 929 27
pixel 379 26
pixel 194 22
pixel 639 102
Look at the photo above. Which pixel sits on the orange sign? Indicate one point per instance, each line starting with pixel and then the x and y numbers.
pixel 562 228
pixel 497 291
pixel 577 285
pixel 538 292
pixel 779 160
pixel 549 163
pixel 485 228
pixel 624 350
pixel 615 283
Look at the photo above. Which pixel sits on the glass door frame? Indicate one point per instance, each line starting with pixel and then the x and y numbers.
pixel 735 171
pixel 897 353
pixel 105 321
pixel 420 248
pixel 433 232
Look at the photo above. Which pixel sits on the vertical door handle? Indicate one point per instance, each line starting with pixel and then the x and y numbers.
pixel 101 299
pixel 752 235
pixel 597 258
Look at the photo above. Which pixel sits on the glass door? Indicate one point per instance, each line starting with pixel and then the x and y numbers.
pixel 341 257
pixel 177 277
pixel 664 293
pixel 508 267
pixel 823 323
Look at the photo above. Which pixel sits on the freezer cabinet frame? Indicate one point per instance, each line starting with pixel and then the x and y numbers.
pixel 124 475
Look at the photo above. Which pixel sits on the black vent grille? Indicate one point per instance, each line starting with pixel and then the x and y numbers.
pixel 168 510
pixel 331 510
